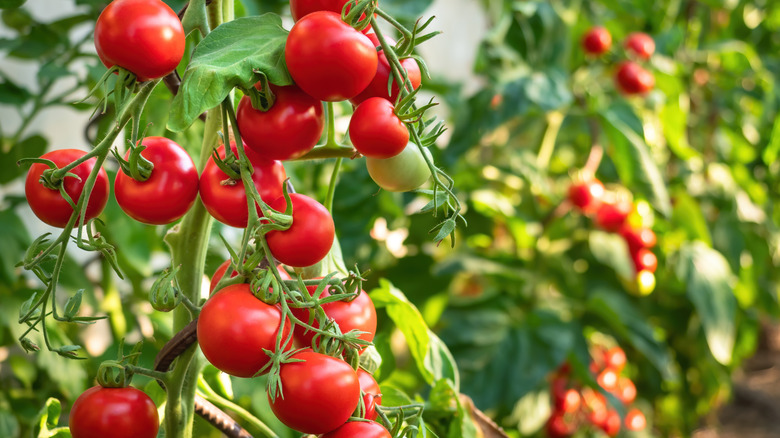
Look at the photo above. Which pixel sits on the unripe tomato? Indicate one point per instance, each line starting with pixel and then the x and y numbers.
pixel 373 395
pixel 320 393
pixel 234 327
pixel 359 429
pixel 638 238
pixel 631 78
pixel 328 58
pixel 170 190
pixel 640 44
pixel 49 205
pixel 626 390
pixel 288 130
pixel 645 260
pixel 645 282
pixel 401 173
pixel 635 420
pixel 378 85
pixel 611 425
pixel 113 412
pixel 586 195
pixel 558 426
pixel 597 41
pixel 143 36
pixel 376 131
pixel 612 215
pixel 309 238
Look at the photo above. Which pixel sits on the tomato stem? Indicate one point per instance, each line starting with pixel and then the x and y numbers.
pixel 209 394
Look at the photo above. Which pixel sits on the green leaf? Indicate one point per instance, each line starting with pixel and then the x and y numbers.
pixel 9 425
pixel 610 249
pixel 10 4
pixel 675 125
pixel 41 41
pixel 33 146
pixel 14 240
pixel 47 418
pixel 632 157
pixel 235 54
pixel 24 370
pixel 688 215
pixel 12 94
pixel 773 148
pixel 708 277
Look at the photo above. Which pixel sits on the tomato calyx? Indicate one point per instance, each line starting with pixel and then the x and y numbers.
pixel 261 95
pixel 51 178
pixel 136 166
pixel 360 15
pixel 164 295
pixel 119 373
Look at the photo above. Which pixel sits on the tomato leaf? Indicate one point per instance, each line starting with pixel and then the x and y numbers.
pixel 610 249
pixel 45 424
pixel 33 146
pixel 235 54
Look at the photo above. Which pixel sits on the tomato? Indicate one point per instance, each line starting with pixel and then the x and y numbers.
pixel 615 358
pixel 328 58
pixel 402 173
pixel 288 130
pixel 373 395
pixel 586 195
pixel 222 270
pixel 143 36
pixel 597 41
pixel 225 199
pixel 612 215
pixel 611 425
pixel 170 190
pixel 638 238
pixel 596 405
pixel 113 412
pixel 378 85
pixel 645 260
pixel 320 393
pixel 626 390
pixel 569 402
pixel 640 44
pixel 631 78
pixel 376 131
pixel 635 420
pixel 608 379
pixel 558 426
pixel 645 281
pixel 302 8
pixel 49 205
pixel 359 429
pixel 309 238
pixel 234 327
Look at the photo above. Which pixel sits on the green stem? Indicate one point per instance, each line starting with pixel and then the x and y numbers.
pixel 323 152
pixel 554 122
pixel 334 179
pixel 209 394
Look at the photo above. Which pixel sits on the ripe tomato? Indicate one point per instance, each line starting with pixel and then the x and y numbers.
pixel 320 393
pixel 626 390
pixel 645 260
pixel 222 270
pixel 170 190
pixel 640 44
pixel 611 425
pixel 596 405
pixel 597 41
pixel 608 379
pixel 113 412
pixel 631 78
pixel 378 85
pixel 225 199
pixel 638 238
pixel 373 395
pixel 302 8
pixel 612 215
pixel 309 238
pixel 569 402
pixel 143 36
pixel 49 205
pixel 288 130
pixel 635 420
pixel 328 58
pixel 401 173
pixel 376 131
pixel 615 358
pixel 234 327
pixel 359 429
pixel 558 426
pixel 586 195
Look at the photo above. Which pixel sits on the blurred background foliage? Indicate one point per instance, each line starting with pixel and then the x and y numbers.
pixel 528 284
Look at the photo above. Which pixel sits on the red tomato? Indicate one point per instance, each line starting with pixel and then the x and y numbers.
pixel 615 358
pixel 302 8
pixel 378 85
pixel 222 270
pixel 310 237
pixel 631 78
pixel 570 402
pixel 376 131
pixel 234 327
pixel 586 195
pixel 359 429
pixel 170 190
pixel 597 41
pixel 635 420
pixel 225 199
pixel 596 405
pixel 626 390
pixel 328 58
pixel 373 395
pixel 288 130
pixel 320 393
pixel 49 205
pixel 608 379
pixel 558 426
pixel 645 260
pixel 611 425
pixel 640 44
pixel 612 215
pixel 638 238
pixel 143 36
pixel 113 412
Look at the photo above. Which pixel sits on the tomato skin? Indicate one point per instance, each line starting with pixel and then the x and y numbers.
pixel 234 327
pixel 170 190
pixel 320 393
pixel 558 426
pixel 608 379
pixel 49 205
pixel 359 429
pixel 611 425
pixel 378 85
pixel 227 202
pixel 401 173
pixel 288 130
pixel 358 314
pixel 635 420
pixel 615 358
pixel 113 412
pixel 597 41
pixel 640 44
pixel 373 395
pixel 143 36
pixel 631 78
pixel 302 8
pixel 309 238
pixel 626 390
pixel 222 270
pixel 638 238
pixel 328 59
pixel 586 195
pixel 376 131
pixel 645 260
pixel 612 215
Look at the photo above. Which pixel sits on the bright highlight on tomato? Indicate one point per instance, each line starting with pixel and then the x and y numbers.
pixel 113 412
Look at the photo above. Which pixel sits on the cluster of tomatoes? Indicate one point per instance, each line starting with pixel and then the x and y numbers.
pixel 630 77
pixel 612 212
pixel 575 406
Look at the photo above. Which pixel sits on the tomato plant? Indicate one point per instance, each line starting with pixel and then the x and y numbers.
pixel 372 395
pixel 376 131
pixel 378 87
pixel 116 412
pixel 310 237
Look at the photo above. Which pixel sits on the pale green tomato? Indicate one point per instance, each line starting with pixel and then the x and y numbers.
pixel 402 173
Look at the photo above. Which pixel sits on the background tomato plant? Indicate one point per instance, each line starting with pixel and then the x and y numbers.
pixel 529 284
